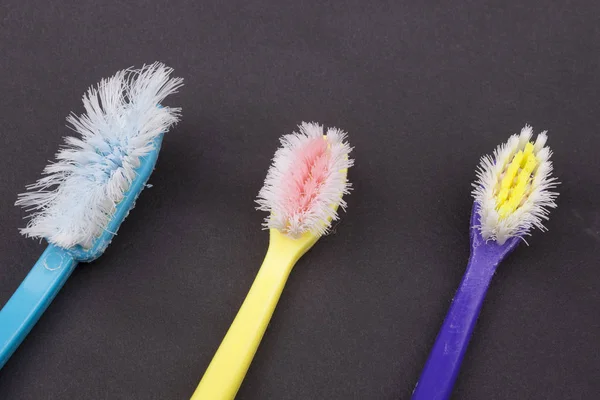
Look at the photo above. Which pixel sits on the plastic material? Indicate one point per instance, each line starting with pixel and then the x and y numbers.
pixel 50 272
pixel 227 370
pixel 32 298
pixel 440 371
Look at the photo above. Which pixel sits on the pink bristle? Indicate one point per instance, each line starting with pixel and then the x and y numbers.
pixel 302 182
pixel 306 181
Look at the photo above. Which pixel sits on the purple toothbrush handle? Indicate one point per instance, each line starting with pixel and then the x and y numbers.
pixel 440 372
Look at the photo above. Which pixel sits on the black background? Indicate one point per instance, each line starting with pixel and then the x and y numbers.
pixel 423 90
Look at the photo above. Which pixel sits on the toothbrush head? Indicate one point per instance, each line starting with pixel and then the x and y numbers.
pixel 85 195
pixel 306 181
pixel 514 187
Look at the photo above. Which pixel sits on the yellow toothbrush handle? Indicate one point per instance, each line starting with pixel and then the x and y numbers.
pixel 227 370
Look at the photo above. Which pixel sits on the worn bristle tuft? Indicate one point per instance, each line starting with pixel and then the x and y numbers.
pixel 306 181
pixel 77 198
pixel 514 187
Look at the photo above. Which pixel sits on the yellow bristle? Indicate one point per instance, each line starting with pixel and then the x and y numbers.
pixel 516 181
pixel 502 196
pixel 511 171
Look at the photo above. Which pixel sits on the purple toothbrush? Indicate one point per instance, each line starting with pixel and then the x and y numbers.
pixel 513 194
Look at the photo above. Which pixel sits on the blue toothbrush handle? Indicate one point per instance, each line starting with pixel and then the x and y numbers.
pixel 32 297
pixel 440 372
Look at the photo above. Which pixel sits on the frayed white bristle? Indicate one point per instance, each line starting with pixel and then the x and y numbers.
pixel 306 181
pixel 75 200
pixel 539 197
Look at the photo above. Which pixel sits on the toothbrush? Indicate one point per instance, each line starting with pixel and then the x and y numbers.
pixel 87 193
pixel 302 191
pixel 513 194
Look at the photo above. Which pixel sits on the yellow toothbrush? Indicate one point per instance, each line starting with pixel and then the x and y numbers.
pixel 302 191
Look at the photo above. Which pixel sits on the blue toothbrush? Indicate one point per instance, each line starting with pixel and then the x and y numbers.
pixel 85 196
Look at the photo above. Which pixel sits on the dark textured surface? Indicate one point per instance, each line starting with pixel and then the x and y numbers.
pixel 423 91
